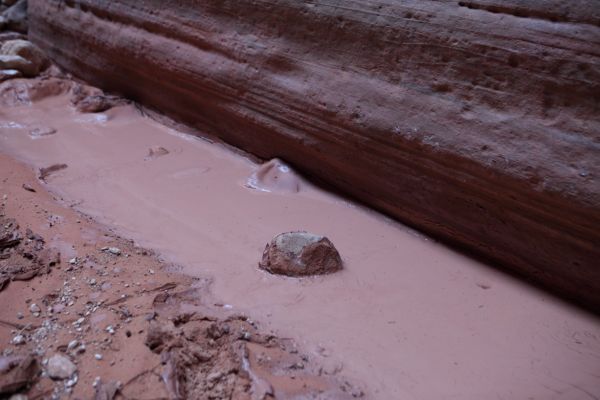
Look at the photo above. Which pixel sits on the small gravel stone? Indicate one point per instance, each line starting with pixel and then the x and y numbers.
pixel 71 382
pixel 34 308
pixel 18 340
pixel 114 250
pixel 98 356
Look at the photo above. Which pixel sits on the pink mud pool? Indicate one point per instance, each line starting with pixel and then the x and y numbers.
pixel 407 318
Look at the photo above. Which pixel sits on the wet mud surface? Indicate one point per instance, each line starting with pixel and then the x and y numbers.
pixel 87 314
pixel 405 317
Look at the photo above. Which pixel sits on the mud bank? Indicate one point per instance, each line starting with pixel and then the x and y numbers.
pixel 476 121
pixel 406 317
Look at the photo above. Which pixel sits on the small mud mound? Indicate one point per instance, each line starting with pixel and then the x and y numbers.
pixel 41 131
pixel 156 152
pixel 300 254
pixel 275 176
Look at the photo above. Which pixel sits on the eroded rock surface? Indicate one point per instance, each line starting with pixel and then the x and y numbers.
pixel 15 16
pixel 300 254
pixel 17 373
pixel 476 121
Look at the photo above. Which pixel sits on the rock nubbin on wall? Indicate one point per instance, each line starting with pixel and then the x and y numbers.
pixel 476 121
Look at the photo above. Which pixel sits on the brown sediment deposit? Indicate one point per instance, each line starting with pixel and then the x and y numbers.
pixel 406 317
pixel 475 121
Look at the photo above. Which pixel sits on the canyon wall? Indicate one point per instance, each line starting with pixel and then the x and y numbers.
pixel 475 121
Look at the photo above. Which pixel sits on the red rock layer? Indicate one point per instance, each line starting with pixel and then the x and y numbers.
pixel 476 121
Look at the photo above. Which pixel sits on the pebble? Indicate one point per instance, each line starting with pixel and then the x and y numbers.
pixel 60 367
pixel 114 250
pixel 20 315
pixel 72 344
pixel 18 397
pixel 18 340
pixel 34 308
pixel 98 356
pixel 215 376
pixel 71 382
pixel 73 260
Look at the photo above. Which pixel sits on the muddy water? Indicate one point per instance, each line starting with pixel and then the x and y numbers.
pixel 408 318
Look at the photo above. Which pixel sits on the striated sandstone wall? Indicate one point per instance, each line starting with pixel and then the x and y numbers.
pixel 476 121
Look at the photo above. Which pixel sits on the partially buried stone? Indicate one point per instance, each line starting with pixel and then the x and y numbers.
pixel 157 151
pixel 300 254
pixel 41 132
pixel 60 367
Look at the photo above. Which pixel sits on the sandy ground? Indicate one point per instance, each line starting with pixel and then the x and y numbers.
pixel 406 318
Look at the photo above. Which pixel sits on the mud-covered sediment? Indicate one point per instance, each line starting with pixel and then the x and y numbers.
pixel 475 121
pixel 88 315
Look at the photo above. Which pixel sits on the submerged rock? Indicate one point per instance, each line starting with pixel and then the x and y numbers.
pixel 300 254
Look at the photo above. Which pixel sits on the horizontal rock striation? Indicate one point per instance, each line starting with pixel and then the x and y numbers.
pixel 477 121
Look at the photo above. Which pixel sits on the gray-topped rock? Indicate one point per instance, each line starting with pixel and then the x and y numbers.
pixel 60 367
pixel 300 254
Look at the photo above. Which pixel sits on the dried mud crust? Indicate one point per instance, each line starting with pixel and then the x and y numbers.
pixel 133 327
pixel 22 256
